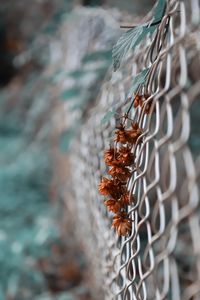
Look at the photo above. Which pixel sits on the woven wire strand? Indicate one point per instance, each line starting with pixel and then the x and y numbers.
pixel 161 257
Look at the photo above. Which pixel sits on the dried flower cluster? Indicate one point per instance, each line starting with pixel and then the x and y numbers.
pixel 120 161
pixel 139 101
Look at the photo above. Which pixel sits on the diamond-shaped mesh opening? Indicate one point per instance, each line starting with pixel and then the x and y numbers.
pixel 161 257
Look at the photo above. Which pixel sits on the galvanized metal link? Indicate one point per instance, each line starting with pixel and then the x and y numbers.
pixel 161 257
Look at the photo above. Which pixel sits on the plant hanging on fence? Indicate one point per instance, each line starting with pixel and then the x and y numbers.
pixel 120 158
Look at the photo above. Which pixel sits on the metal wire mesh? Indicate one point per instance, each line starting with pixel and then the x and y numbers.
pixel 161 257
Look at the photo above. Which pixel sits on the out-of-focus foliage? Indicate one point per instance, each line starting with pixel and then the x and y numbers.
pixel 79 87
pixel 27 221
pixel 26 226
pixel 86 83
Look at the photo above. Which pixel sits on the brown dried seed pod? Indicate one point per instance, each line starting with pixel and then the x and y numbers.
pixel 138 100
pixel 122 136
pixel 115 163
pixel 113 205
pixel 111 187
pixel 105 186
pixel 121 173
pixel 127 199
pixel 134 132
pixel 125 156
pixel 109 155
pixel 122 224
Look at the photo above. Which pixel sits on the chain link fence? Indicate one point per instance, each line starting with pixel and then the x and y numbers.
pixel 161 257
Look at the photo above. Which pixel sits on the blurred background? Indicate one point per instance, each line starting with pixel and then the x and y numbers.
pixel 54 56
